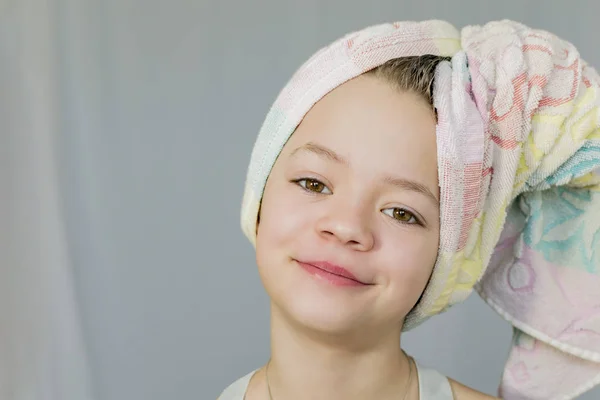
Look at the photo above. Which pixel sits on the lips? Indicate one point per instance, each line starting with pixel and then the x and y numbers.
pixel 332 273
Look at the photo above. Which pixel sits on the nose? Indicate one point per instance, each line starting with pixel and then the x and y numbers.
pixel 347 224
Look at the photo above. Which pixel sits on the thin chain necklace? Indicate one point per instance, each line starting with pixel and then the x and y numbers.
pixel 409 381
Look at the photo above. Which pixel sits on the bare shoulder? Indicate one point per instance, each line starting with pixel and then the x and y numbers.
pixel 462 392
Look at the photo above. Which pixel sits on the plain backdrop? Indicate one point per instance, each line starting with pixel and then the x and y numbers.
pixel 162 102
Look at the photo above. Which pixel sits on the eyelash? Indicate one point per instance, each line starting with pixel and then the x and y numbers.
pixel 306 180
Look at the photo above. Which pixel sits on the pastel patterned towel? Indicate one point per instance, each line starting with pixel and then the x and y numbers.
pixel 518 141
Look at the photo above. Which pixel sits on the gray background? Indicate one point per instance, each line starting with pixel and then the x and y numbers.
pixel 162 103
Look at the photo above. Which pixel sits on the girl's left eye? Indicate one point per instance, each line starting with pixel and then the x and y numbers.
pixel 313 185
pixel 401 215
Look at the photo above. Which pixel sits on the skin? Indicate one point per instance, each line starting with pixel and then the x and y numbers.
pixel 339 193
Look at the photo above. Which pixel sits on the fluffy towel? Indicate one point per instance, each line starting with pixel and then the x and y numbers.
pixel 518 142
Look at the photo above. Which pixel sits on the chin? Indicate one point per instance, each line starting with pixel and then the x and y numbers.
pixel 324 319
pixel 317 310
pixel 310 303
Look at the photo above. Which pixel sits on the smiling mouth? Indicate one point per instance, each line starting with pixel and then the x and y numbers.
pixel 330 273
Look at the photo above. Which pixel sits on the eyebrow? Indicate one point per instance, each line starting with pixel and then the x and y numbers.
pixel 402 183
pixel 413 186
pixel 321 151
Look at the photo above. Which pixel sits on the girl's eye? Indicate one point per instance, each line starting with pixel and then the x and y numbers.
pixel 401 215
pixel 313 185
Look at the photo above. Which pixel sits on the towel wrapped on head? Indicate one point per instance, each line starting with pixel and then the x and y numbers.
pixel 518 140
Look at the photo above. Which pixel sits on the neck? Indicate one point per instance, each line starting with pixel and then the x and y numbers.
pixel 314 365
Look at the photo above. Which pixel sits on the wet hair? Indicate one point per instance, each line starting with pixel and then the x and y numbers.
pixel 414 74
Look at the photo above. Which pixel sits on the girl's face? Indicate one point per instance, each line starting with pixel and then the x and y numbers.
pixel 349 224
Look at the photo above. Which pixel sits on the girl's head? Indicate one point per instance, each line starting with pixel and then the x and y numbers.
pixel 356 187
pixel 350 186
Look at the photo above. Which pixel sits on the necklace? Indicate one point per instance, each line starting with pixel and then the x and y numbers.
pixel 267 376
pixel 409 381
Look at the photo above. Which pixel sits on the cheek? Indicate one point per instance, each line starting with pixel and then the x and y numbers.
pixel 280 219
pixel 284 219
pixel 410 264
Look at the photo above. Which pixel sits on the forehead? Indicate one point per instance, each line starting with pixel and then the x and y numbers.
pixel 374 125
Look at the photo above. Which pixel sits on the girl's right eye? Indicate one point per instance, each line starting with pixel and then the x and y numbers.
pixel 313 186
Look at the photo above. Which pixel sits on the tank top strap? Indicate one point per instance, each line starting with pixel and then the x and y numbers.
pixel 237 390
pixel 433 385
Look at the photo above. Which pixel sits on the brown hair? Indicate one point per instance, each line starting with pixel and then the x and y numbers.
pixel 413 74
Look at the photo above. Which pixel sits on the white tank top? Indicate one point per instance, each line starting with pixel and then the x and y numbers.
pixel 432 386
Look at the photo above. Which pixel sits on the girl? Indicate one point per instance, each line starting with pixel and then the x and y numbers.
pixel 386 204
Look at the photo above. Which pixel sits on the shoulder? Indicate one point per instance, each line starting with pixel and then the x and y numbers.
pixel 237 390
pixel 433 385
pixel 462 392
